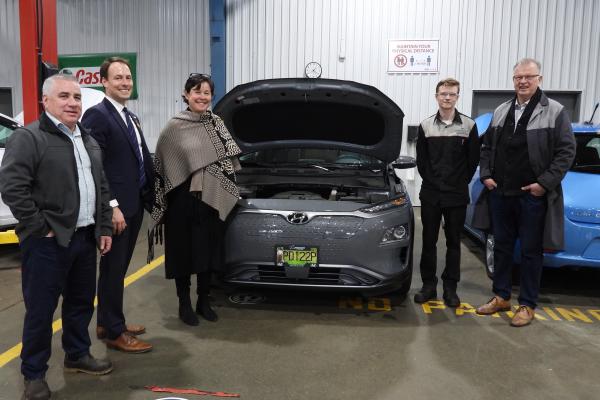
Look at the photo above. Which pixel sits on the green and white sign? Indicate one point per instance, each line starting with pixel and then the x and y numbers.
pixel 86 68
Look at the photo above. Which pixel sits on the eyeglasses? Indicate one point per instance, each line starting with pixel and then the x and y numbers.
pixel 199 75
pixel 528 78
pixel 445 94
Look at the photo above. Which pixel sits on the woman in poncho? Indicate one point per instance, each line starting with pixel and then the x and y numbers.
pixel 195 163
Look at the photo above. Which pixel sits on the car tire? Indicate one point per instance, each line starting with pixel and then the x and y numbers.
pixel 489 255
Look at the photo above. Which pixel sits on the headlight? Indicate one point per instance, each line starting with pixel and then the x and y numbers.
pixel 394 234
pixel 386 205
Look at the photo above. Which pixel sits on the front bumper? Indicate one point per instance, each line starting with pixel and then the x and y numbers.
pixel 351 256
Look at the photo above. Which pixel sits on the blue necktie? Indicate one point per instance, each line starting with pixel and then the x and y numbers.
pixel 136 148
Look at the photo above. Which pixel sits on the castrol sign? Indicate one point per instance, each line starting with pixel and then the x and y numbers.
pixel 87 76
pixel 86 68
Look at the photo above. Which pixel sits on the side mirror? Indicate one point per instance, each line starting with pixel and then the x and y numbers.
pixel 404 162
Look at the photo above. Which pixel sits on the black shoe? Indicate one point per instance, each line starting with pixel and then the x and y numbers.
pixel 203 309
pixel 187 315
pixel 88 365
pixel 451 298
pixel 36 389
pixel 425 294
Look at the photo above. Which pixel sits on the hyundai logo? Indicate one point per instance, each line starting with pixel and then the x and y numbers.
pixel 297 218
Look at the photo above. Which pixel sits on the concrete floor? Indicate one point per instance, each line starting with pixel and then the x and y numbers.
pixel 318 346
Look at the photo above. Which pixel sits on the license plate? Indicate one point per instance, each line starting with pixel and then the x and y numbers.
pixel 297 256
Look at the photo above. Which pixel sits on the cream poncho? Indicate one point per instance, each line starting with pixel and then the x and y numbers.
pixel 201 146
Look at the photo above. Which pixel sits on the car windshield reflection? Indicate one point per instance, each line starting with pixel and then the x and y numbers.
pixel 587 158
pixel 5 132
pixel 323 159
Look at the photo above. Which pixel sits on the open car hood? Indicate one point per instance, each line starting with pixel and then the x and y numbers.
pixel 316 113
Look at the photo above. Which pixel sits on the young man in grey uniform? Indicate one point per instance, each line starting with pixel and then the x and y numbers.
pixel 447 157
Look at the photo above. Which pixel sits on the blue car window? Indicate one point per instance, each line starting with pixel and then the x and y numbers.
pixel 587 158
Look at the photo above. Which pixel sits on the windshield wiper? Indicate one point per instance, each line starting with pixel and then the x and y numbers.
pixel 585 167
pixel 320 167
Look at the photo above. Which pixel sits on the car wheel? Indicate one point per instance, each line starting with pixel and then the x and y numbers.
pixel 489 256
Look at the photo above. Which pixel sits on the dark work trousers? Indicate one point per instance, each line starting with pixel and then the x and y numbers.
pixel 113 267
pixel 519 217
pixel 454 219
pixel 48 271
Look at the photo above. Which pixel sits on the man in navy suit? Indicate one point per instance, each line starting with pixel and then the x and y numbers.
pixel 128 168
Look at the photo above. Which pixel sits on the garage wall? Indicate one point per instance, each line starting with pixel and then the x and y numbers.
pixel 10 52
pixel 170 37
pixel 479 43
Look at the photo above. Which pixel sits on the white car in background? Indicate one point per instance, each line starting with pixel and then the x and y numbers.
pixel 7 127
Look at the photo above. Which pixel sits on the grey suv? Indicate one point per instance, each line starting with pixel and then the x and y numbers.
pixel 321 205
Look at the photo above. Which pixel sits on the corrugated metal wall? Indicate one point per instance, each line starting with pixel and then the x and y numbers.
pixel 170 37
pixel 10 52
pixel 479 43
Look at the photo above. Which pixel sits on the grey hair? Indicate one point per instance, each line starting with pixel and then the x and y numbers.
pixel 524 61
pixel 49 82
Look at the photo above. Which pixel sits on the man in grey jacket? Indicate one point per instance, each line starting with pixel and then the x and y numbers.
pixel 52 179
pixel 526 152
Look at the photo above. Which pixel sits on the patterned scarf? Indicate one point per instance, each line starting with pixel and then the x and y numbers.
pixel 200 146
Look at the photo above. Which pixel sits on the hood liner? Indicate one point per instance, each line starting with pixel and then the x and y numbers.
pixel 317 113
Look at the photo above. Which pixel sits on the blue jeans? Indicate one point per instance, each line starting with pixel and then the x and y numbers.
pixel 518 217
pixel 48 272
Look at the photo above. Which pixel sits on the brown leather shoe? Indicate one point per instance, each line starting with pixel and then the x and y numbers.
pixel 493 305
pixel 523 316
pixel 132 329
pixel 128 343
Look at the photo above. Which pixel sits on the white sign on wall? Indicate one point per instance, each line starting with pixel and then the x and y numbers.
pixel 408 56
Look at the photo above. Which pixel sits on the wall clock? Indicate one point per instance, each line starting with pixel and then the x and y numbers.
pixel 313 70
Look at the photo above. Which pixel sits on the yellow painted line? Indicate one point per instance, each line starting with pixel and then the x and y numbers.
pixel 8 237
pixel 551 313
pixel 571 315
pixel 10 354
pixel 350 302
pixel 557 314
pixel 15 351
pixel 143 271
pixel 379 304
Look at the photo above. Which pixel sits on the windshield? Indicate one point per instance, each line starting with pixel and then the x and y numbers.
pixel 316 158
pixel 587 158
pixel 5 132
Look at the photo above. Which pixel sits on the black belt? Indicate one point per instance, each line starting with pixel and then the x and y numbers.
pixel 84 228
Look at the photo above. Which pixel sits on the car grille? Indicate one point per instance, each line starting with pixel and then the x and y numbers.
pixel 320 227
pixel 316 277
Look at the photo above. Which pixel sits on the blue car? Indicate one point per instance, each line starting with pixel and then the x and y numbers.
pixel 581 191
